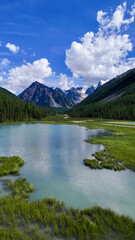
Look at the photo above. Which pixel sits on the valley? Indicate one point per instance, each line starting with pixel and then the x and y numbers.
pixel 101 163
pixel 67 120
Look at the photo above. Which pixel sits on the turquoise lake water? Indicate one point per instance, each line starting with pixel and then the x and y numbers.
pixel 53 156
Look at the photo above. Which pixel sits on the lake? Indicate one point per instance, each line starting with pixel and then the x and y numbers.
pixel 53 156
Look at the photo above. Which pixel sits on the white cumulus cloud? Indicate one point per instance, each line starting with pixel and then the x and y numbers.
pixel 12 47
pixel 21 77
pixel 103 55
pixel 65 83
pixel 5 62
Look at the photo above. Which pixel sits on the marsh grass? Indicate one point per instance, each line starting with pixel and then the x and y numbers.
pixel 21 188
pixel 104 160
pixel 119 144
pixel 10 165
pixel 50 219
pixel 38 220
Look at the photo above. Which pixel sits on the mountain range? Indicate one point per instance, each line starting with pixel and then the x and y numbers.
pixel 115 99
pixel 78 94
pixel 75 95
pixel 12 108
pixel 42 95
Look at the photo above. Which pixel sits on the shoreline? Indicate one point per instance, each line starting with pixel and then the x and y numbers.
pixel 103 213
pixel 51 218
pixel 119 132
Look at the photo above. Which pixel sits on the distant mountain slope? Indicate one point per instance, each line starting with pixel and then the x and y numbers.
pixel 13 108
pixel 5 93
pixel 116 86
pixel 90 90
pixel 45 96
pixel 115 99
pixel 75 94
pixel 78 94
pixel 59 90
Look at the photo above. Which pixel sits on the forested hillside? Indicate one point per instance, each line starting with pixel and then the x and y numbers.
pixel 14 109
pixel 114 100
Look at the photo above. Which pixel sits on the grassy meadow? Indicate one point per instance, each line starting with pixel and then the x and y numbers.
pixel 119 147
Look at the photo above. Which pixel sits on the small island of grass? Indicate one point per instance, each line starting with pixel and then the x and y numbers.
pixel 21 188
pixel 104 160
pixel 10 165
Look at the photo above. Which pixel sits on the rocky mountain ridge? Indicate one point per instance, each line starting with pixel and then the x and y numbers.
pixel 42 95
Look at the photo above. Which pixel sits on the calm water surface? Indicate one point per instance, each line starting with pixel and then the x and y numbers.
pixel 53 156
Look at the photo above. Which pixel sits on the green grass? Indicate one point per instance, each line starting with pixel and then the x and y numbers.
pixel 21 189
pixel 102 160
pixel 50 219
pixel 56 119
pixel 10 165
pixel 93 163
pixel 120 147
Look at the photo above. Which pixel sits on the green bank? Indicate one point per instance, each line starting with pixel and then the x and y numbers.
pixel 119 150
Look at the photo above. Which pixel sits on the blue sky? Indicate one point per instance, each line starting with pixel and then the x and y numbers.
pixel 44 30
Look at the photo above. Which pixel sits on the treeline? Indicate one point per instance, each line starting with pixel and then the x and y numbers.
pixel 122 108
pixel 14 109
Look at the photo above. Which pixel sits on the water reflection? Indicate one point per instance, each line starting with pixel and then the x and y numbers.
pixel 54 156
